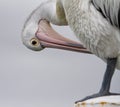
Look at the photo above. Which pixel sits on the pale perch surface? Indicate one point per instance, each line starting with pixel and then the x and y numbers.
pixel 106 101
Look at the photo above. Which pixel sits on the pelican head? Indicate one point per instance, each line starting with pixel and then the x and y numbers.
pixel 38 34
pixel 29 37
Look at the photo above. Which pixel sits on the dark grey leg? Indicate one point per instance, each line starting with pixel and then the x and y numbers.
pixel 111 63
pixel 104 91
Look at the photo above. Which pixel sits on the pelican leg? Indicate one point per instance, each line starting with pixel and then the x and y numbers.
pixel 111 63
pixel 105 88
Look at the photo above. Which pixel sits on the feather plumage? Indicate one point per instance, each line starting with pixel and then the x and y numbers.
pixel 110 9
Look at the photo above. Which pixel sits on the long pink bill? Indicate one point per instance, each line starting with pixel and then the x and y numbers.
pixel 49 38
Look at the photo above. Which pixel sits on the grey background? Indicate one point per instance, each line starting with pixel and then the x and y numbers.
pixel 50 78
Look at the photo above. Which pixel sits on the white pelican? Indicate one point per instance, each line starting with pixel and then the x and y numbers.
pixel 96 23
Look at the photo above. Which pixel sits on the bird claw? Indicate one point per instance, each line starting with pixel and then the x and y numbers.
pixel 97 95
pixel 88 97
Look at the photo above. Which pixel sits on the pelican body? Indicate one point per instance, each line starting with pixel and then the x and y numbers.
pixel 95 23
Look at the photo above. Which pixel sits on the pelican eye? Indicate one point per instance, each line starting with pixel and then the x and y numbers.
pixel 34 42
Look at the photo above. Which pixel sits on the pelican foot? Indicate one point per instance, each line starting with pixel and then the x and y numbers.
pixel 97 95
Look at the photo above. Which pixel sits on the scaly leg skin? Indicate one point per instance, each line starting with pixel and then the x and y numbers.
pixel 104 91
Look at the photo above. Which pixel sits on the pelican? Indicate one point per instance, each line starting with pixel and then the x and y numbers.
pixel 96 23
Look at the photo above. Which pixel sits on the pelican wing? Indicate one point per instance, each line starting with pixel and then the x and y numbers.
pixel 110 9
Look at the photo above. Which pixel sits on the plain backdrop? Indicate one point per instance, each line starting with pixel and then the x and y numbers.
pixel 50 78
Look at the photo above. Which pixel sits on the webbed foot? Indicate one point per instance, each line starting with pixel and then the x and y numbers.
pixel 97 95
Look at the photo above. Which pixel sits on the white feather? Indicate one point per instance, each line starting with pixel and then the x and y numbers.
pixel 94 31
